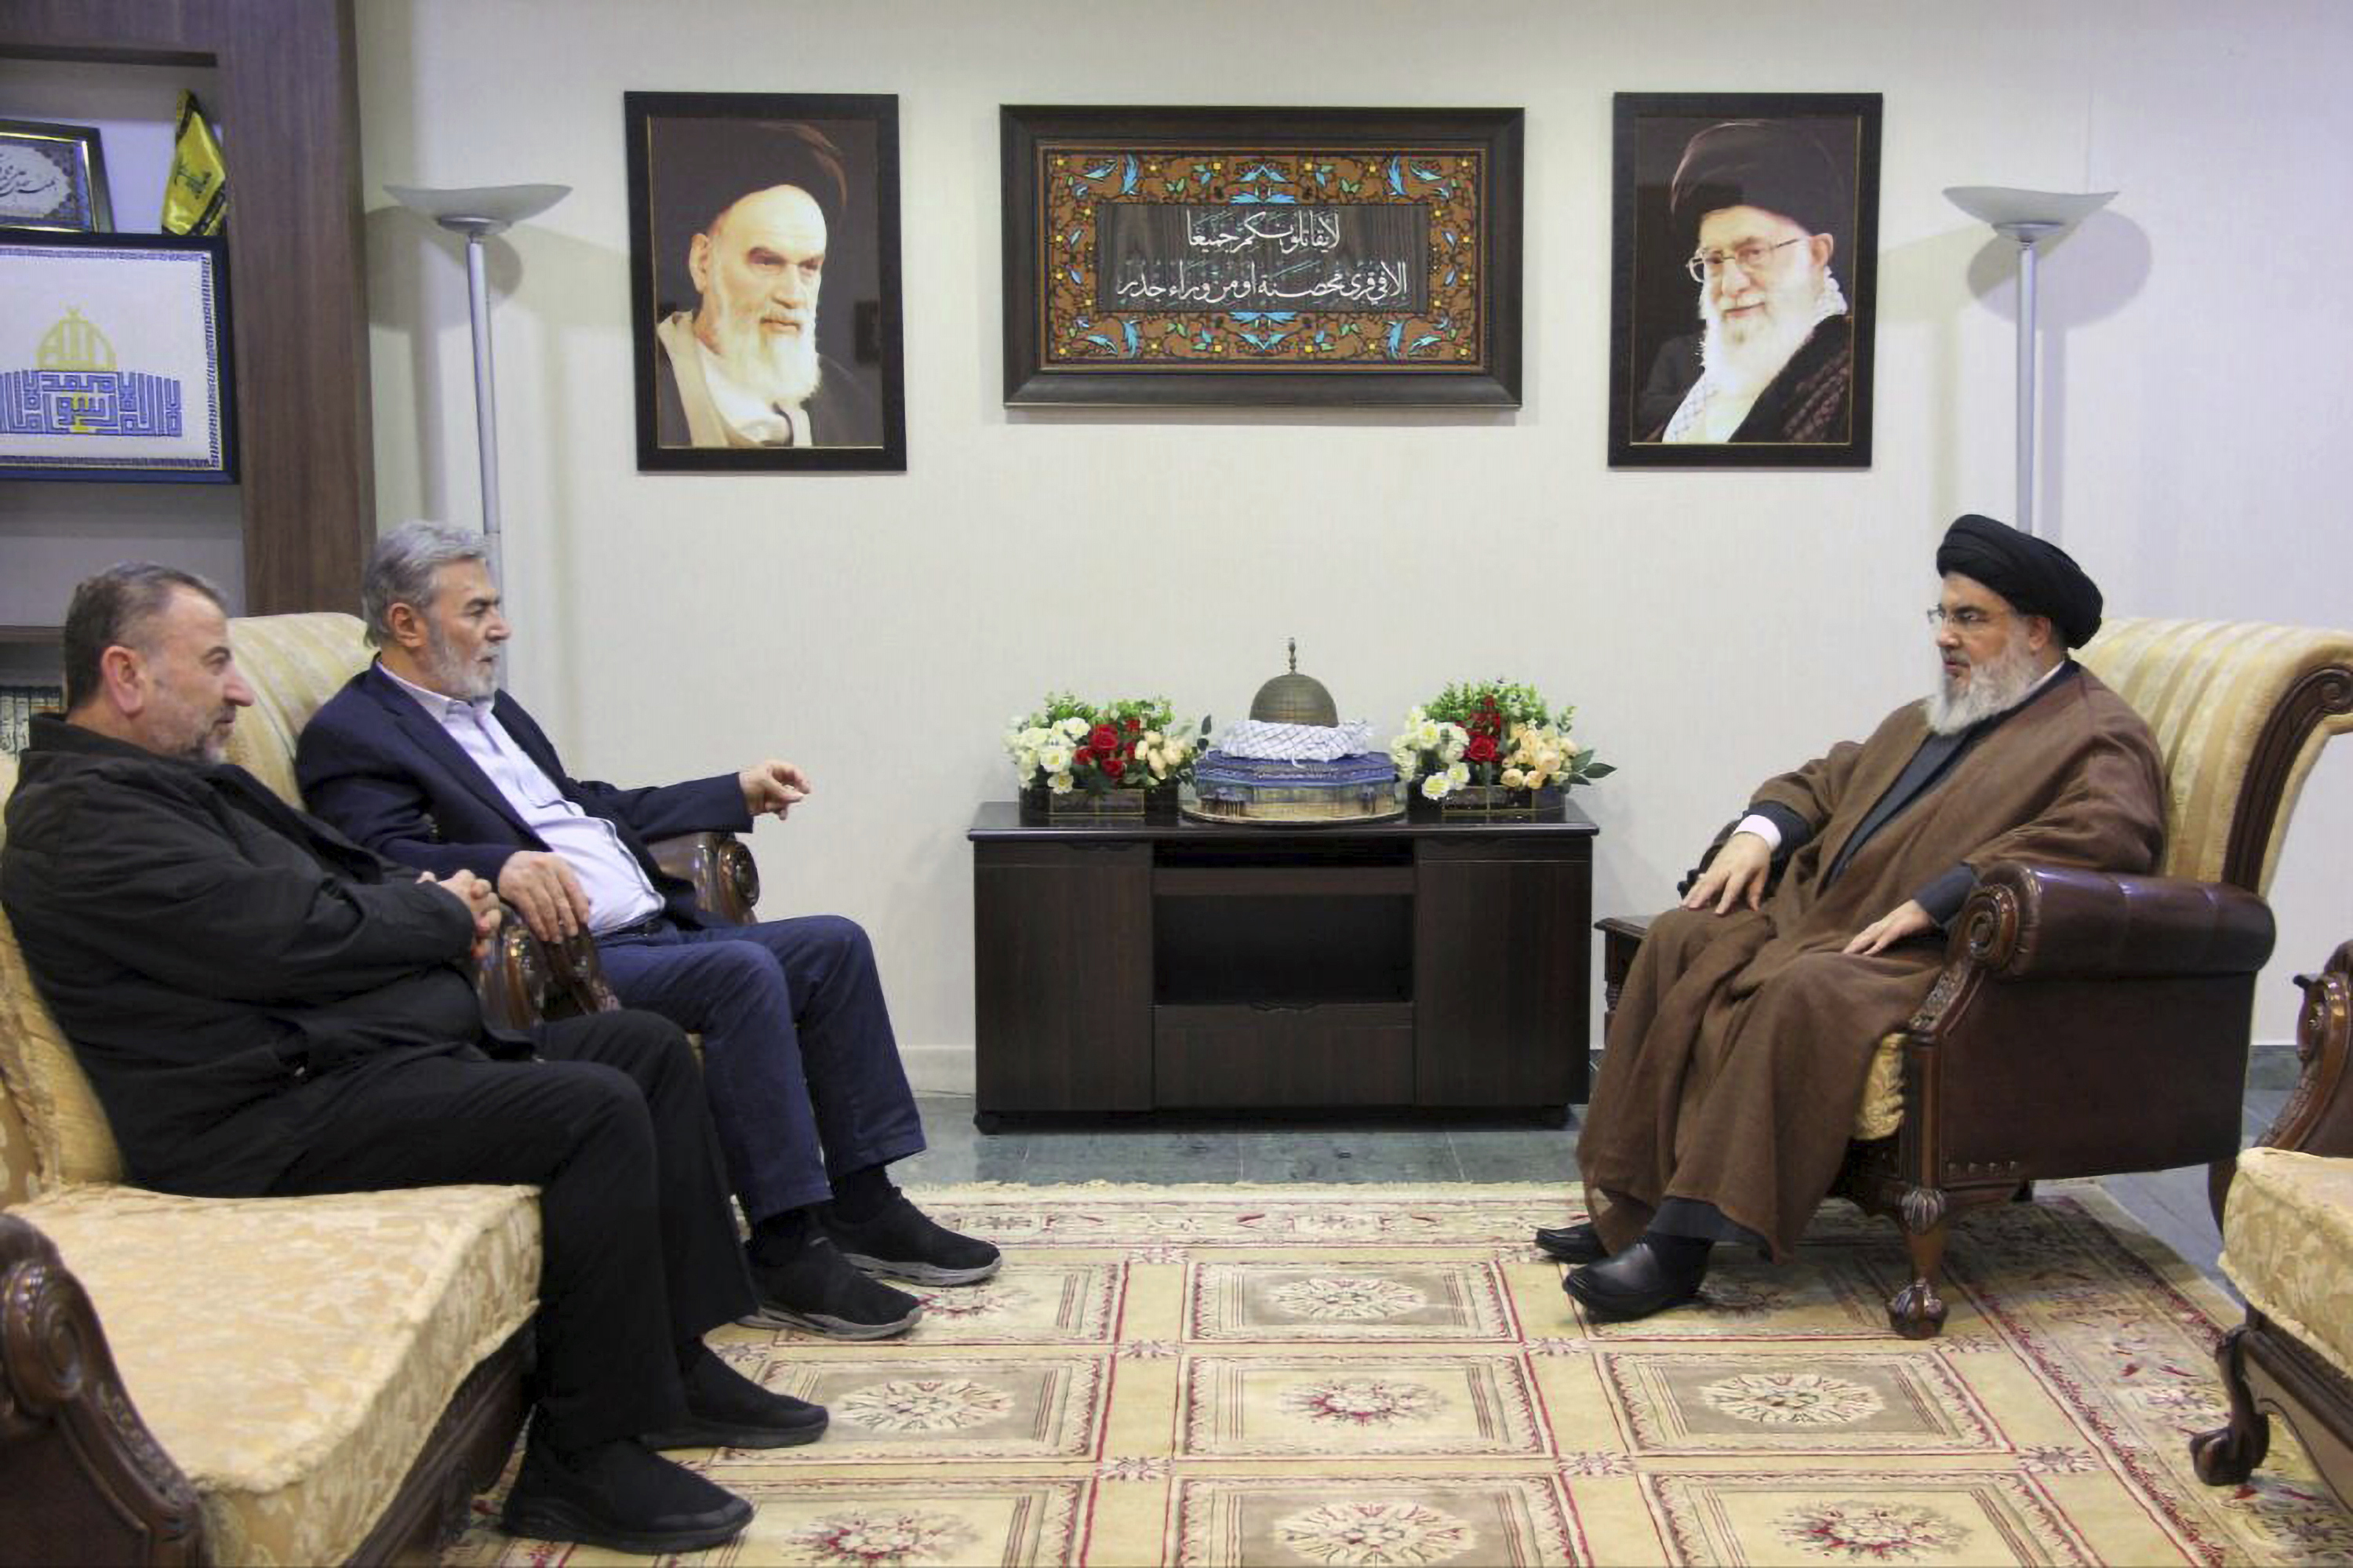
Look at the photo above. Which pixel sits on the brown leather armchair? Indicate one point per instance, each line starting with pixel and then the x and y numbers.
pixel 2089 1024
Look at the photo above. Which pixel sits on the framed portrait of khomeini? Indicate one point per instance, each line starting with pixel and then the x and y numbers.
pixel 1744 279
pixel 765 294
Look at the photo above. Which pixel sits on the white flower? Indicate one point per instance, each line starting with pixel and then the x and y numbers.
pixel 1152 737
pixel 1074 727
pixel 1513 779
pixel 1159 761
pixel 1458 774
pixel 1025 763
pixel 1437 787
pixel 1054 758
pixel 1059 783
pixel 1427 734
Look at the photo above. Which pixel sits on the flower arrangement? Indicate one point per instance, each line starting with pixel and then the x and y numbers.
pixel 1134 743
pixel 1491 733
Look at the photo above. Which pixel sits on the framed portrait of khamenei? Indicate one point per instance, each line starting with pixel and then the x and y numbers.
pixel 763 257
pixel 1744 279
pixel 1214 256
pixel 114 358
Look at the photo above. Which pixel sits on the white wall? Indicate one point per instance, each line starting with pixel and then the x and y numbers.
pixel 1713 628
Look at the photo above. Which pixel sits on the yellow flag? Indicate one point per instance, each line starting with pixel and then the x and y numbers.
pixel 196 198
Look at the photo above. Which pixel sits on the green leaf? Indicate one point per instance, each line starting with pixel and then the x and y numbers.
pixel 1600 770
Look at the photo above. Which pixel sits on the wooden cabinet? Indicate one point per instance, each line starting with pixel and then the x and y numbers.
pixel 1202 966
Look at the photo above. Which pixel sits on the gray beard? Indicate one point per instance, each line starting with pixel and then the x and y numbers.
pixel 1995 685
pixel 466 682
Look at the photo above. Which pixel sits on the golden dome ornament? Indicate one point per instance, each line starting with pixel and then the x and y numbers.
pixel 1294 698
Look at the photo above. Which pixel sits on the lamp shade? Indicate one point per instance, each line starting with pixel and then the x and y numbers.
pixel 479 209
pixel 2011 210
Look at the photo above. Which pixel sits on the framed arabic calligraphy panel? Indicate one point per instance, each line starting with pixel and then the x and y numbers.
pixel 114 358
pixel 1333 257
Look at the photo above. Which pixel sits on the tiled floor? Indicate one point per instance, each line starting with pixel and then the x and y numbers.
pixel 2171 1203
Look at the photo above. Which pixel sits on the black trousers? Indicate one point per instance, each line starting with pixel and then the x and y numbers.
pixel 640 1246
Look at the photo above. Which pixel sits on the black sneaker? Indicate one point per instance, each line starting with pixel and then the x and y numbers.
pixel 906 1242
pixel 818 1290
pixel 621 1495
pixel 727 1410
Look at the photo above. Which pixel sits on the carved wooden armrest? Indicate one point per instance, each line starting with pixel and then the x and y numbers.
pixel 512 978
pixel 2056 922
pixel 87 1483
pixel 2318 1115
pixel 726 883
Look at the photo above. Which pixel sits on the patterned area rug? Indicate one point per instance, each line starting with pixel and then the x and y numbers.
pixel 1391 1375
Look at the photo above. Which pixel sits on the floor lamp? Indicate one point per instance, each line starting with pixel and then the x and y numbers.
pixel 2027 217
pixel 478 213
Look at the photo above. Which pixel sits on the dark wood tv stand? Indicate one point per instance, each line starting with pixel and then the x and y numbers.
pixel 1203 967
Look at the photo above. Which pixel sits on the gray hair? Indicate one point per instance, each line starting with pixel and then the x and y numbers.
pixel 401 570
pixel 117 608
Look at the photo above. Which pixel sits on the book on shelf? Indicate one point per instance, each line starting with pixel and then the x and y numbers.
pixel 17 706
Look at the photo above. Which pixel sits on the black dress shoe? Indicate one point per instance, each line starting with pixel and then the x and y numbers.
pixel 1572 1244
pixel 621 1495
pixel 1633 1284
pixel 818 1290
pixel 727 1410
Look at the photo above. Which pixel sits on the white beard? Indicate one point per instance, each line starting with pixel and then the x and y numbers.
pixel 781 369
pixel 1744 356
pixel 1992 686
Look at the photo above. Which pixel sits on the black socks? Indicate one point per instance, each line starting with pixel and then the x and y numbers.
pixel 857 1196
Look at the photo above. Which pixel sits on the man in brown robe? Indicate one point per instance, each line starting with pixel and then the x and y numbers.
pixel 1741 1042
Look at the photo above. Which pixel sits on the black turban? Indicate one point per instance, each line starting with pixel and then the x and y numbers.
pixel 2035 576
pixel 1775 165
pixel 701 166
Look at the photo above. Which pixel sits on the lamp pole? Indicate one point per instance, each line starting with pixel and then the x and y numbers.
pixel 2028 217
pixel 477 213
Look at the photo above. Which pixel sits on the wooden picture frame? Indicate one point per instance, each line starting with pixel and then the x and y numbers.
pixel 115 358
pixel 1778 373
pixel 53 177
pixel 753 218
pixel 1267 257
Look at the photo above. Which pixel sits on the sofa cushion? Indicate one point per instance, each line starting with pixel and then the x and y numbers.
pixel 2287 1244
pixel 71 1139
pixel 295 663
pixel 292 1354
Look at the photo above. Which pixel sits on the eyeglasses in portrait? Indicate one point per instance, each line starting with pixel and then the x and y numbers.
pixel 1744 279
pixel 764 286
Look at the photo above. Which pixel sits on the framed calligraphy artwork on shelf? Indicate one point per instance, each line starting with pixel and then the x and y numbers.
pixel 1332 257
pixel 764 268
pixel 52 176
pixel 114 358
pixel 1744 279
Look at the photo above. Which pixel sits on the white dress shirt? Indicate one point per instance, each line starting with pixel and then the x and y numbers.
pixel 619 891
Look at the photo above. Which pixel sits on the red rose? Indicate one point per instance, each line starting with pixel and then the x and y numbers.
pixel 1083 755
pixel 1133 725
pixel 1105 739
pixel 1480 749
pixel 1113 766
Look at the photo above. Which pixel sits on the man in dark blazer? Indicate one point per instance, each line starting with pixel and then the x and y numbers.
pixel 423 760
pixel 265 1007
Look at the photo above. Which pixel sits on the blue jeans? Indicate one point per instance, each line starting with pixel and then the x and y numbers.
pixel 797 1054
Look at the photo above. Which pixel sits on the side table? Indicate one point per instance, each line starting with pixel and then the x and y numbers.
pixel 1137 967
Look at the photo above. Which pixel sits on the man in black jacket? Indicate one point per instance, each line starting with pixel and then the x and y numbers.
pixel 264 1007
